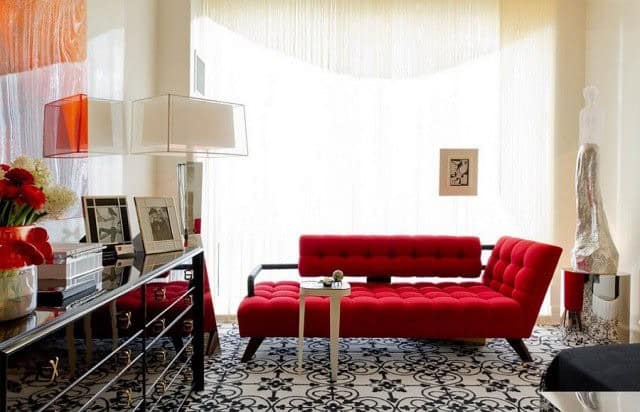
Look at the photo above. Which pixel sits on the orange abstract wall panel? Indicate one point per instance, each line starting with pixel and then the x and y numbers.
pixel 37 33
pixel 43 53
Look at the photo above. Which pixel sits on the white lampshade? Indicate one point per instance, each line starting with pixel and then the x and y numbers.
pixel 171 124
pixel 106 126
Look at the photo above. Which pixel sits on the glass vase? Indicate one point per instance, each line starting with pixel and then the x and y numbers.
pixel 18 292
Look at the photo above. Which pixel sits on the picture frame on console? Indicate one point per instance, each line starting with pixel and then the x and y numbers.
pixel 458 172
pixel 106 221
pixel 159 224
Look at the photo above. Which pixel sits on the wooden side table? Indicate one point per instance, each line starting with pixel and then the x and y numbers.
pixel 335 293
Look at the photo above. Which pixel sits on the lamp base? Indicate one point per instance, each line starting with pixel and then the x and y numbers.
pixel 189 176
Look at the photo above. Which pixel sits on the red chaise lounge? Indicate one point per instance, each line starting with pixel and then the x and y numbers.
pixel 502 301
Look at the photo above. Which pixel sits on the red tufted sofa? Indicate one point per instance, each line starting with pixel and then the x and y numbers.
pixel 502 301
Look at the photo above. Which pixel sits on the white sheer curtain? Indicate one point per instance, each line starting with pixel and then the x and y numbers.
pixel 348 104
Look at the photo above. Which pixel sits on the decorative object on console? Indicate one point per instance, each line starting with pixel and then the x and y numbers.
pixel 18 279
pixel 77 126
pixel 22 249
pixel 27 193
pixel 106 220
pixel 594 250
pixel 61 293
pixel 159 226
pixel 171 124
pixel 337 275
pixel 26 196
pixel 458 172
pixel 327 282
pixel 71 260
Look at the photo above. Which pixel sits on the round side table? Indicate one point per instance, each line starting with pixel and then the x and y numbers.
pixel 334 292
pixel 597 304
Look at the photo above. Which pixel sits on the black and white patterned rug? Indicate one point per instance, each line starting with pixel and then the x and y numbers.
pixel 379 375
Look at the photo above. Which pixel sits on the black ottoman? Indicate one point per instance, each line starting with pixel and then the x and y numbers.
pixel 599 368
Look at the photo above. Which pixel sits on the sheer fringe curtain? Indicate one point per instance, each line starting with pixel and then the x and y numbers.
pixel 348 104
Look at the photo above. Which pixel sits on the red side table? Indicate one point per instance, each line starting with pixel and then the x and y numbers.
pixel 597 304
pixel 573 299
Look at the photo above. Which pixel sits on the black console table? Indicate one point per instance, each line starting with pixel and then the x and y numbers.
pixel 112 350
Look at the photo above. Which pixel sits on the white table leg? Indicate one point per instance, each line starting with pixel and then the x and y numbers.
pixel 334 331
pixel 300 331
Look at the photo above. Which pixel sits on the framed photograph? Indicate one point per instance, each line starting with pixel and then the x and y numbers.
pixel 159 227
pixel 458 172
pixel 116 274
pixel 106 219
pixel 151 262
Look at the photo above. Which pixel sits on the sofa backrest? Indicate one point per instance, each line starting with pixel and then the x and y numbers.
pixel 383 256
pixel 522 269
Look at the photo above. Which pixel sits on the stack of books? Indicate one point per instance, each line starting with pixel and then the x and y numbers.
pixel 76 273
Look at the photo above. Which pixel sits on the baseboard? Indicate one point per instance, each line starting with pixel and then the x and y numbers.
pixel 226 319
pixel 548 320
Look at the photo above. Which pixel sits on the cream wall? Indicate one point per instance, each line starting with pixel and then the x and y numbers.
pixel 130 58
pixel 569 79
pixel 173 65
pixel 120 35
pixel 597 44
pixel 121 65
pixel 139 82
pixel 613 65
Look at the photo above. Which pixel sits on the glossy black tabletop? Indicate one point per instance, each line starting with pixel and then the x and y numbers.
pixel 118 278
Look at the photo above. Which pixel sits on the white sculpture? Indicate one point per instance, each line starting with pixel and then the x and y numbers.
pixel 594 250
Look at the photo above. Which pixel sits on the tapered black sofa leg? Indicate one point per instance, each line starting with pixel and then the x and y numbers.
pixel 252 347
pixel 521 349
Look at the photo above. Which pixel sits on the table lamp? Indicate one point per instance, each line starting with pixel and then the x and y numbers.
pixel 191 127
pixel 78 126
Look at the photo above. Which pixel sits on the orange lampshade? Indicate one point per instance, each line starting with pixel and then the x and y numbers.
pixel 65 127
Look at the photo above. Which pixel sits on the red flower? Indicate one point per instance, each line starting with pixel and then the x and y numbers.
pixel 18 253
pixel 4 167
pixel 32 196
pixel 19 176
pixel 8 190
pixel 40 239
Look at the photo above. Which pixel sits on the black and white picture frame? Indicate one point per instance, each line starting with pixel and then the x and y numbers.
pixel 159 227
pixel 458 172
pixel 106 219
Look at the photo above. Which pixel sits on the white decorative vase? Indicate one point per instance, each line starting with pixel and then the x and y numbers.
pixel 18 292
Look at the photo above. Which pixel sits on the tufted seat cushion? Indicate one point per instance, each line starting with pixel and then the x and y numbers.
pixel 420 310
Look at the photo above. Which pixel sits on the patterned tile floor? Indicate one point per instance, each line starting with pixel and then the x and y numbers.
pixel 379 375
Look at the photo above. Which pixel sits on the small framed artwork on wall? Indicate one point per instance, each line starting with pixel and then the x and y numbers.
pixel 458 172
pixel 159 227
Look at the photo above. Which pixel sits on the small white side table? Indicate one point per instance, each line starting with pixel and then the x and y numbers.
pixel 335 292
